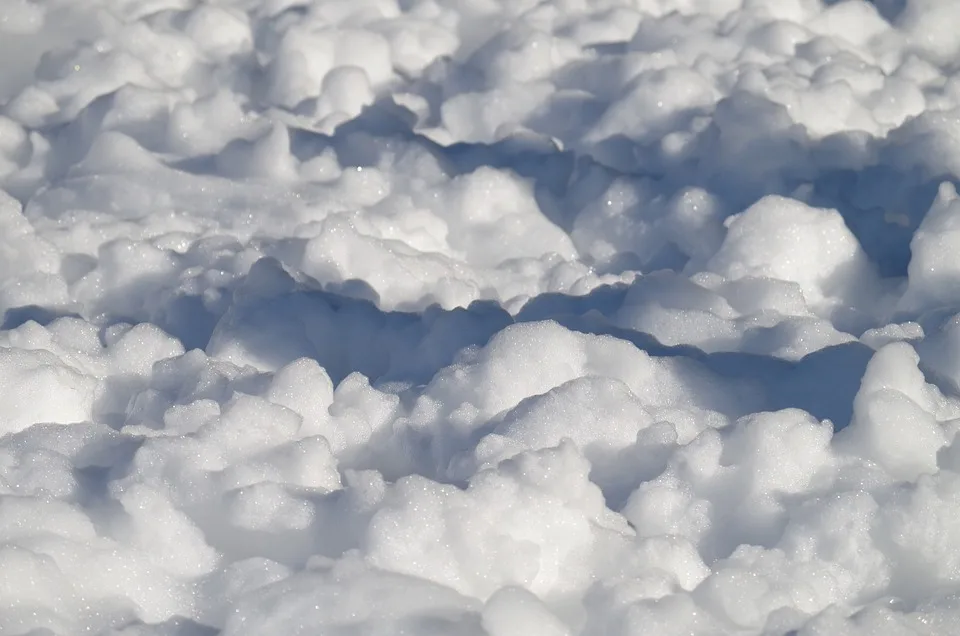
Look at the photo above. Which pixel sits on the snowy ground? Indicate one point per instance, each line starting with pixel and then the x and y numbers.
pixel 479 317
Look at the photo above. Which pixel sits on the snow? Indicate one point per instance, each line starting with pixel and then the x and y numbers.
pixel 479 317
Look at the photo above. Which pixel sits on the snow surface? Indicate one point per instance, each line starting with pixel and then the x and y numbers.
pixel 479 317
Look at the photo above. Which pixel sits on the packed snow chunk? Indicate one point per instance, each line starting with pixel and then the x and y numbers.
pixel 856 21
pixel 934 273
pixel 780 452
pixel 15 147
pixel 532 522
pixel 351 598
pixel 898 101
pixel 493 216
pixel 791 338
pixel 221 589
pixel 694 223
pixel 23 519
pixel 168 57
pixel 838 533
pixel 617 223
pixel 750 146
pixel 764 589
pixel 523 55
pixel 386 271
pixel 939 350
pixel 358 413
pixel 671 557
pixel 26 596
pixel 928 144
pixel 306 54
pixel 831 105
pixel 344 92
pixel 21 17
pixel 755 315
pixel 113 152
pixel 267 156
pixel 894 415
pixel 520 361
pixel 600 415
pixel 81 445
pixel 476 117
pixel 668 506
pixel 195 376
pixel 676 311
pixel 206 125
pixel 753 296
pixel 895 367
pixel 654 103
pixel 921 522
pixel 514 611
pixel 787 240
pixel 306 463
pixel 36 472
pixel 880 336
pixel 219 31
pixel 29 264
pixel 927 24
pixel 170 538
pixel 267 507
pixel 730 487
pixel 133 271
pixel 37 387
pixel 304 387
pixel 32 107
pixel 250 425
pixel 140 347
pixel 416 43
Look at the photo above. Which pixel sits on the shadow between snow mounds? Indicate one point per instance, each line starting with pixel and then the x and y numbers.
pixel 750 150
pixel 351 335
pixel 889 9
pixel 276 319
pixel 17 316
pixel 881 202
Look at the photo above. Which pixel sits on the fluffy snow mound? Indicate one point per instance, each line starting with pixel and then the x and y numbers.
pixel 479 317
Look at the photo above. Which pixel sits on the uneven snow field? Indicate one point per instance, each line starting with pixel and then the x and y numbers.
pixel 479 317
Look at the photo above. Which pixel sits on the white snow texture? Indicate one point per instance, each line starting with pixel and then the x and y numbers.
pixel 479 317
